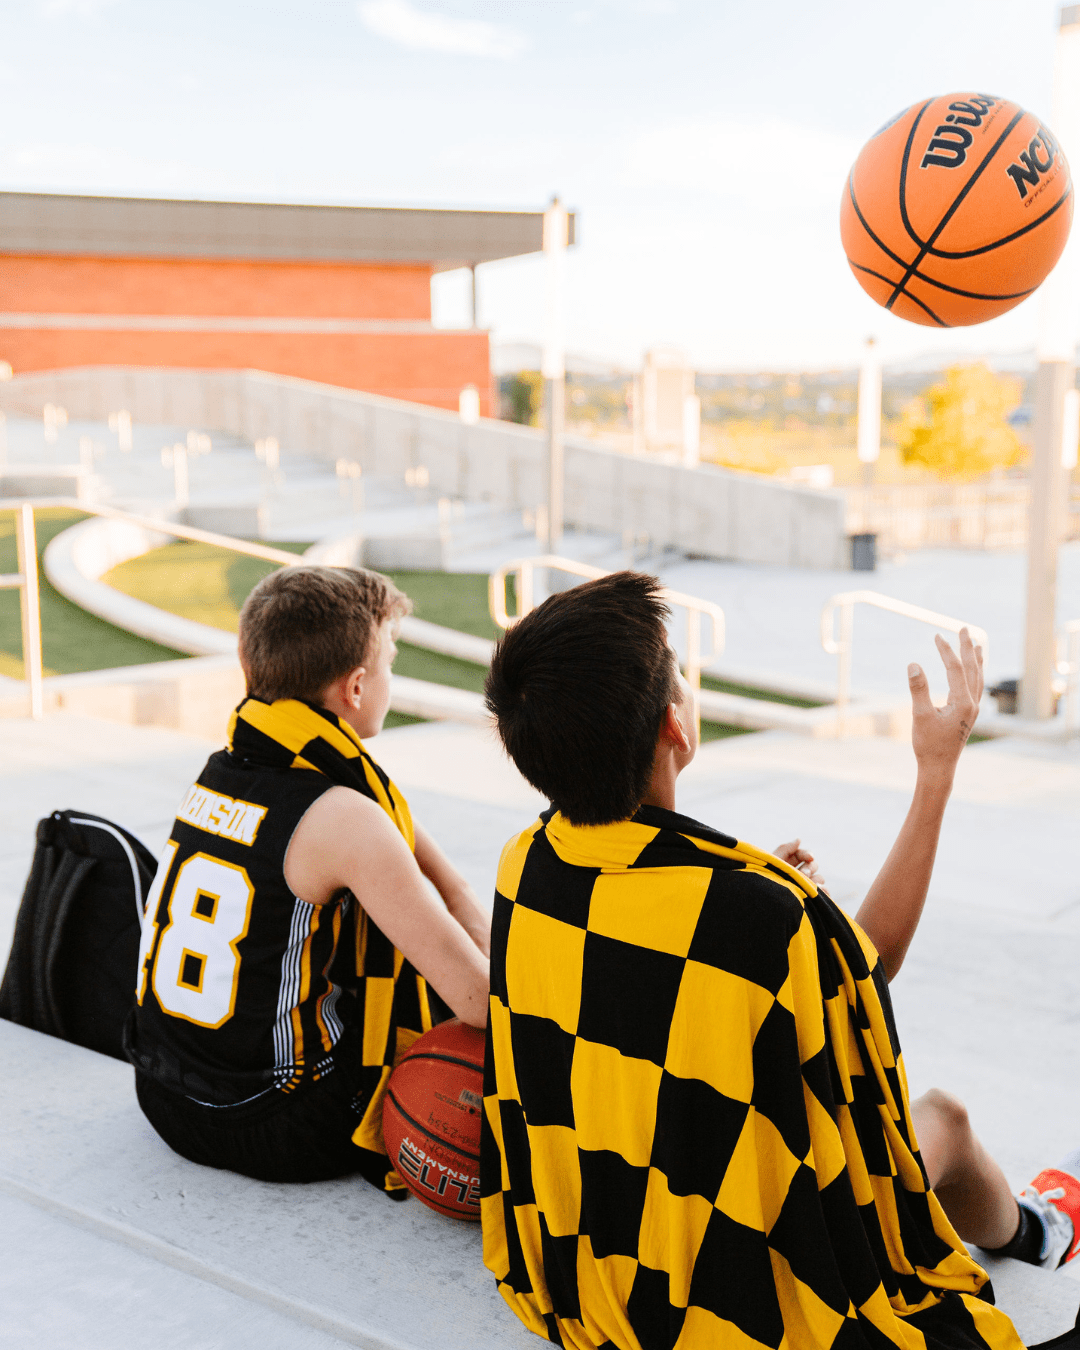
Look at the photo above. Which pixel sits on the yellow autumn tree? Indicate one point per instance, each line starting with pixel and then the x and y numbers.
pixel 958 428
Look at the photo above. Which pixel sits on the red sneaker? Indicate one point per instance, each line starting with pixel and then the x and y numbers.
pixel 1054 1196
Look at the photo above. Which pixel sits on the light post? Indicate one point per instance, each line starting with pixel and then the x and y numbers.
pixel 553 362
pixel 1052 451
pixel 869 417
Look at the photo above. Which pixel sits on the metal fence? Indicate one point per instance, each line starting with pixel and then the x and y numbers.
pixel 946 515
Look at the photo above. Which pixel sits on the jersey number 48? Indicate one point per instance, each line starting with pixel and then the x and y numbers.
pixel 196 966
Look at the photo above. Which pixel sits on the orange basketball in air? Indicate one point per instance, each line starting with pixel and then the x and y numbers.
pixel 431 1118
pixel 956 210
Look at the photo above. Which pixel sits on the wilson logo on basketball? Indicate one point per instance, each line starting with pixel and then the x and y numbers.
pixel 1032 164
pixel 949 145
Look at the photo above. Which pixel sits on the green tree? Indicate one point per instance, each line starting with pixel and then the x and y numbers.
pixel 958 428
pixel 523 397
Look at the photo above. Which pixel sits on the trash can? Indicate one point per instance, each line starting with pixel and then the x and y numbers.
pixel 863 552
pixel 1005 694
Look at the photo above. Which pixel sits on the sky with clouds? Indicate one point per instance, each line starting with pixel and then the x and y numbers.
pixel 705 143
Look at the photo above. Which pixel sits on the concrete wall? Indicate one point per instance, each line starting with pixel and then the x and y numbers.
pixel 707 511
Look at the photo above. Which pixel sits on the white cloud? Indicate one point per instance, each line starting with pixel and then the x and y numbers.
pixel 426 30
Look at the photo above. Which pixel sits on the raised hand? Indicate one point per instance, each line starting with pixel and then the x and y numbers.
pixel 939 734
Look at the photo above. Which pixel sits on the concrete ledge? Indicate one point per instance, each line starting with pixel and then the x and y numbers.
pixel 333 1255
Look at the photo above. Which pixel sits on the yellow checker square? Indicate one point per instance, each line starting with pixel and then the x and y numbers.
pixel 717 1016
pixel 378 1006
pixel 502 1053
pixel 703 1328
pixel 756 1182
pixel 544 967
pixel 801 992
pixel 605 1283
pixel 827 1155
pixel 808 1322
pixel 614 1101
pixel 512 862
pixel 527 1223
pixel 672 1230
pixel 651 907
pixel 556 1177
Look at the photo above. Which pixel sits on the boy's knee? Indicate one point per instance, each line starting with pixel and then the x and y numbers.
pixel 949 1110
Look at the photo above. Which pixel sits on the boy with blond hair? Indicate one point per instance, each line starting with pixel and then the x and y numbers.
pixel 292 948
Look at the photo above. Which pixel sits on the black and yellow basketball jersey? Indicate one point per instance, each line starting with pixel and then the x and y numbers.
pixel 237 987
pixel 244 988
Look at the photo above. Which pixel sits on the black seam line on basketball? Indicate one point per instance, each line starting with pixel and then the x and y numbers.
pixel 448 1059
pixel 919 243
pixel 913 298
pixel 435 1138
pixel 916 301
pixel 953 290
pixel 955 206
pixel 988 248
pixel 865 224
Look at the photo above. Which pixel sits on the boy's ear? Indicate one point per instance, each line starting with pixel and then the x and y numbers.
pixel 672 728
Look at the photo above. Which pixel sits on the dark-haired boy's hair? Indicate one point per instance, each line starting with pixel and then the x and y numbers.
pixel 579 688
pixel 302 628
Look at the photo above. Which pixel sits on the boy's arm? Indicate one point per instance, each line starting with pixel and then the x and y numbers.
pixel 457 894
pixel 893 906
pixel 347 841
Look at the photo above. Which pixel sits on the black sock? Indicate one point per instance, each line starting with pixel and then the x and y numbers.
pixel 1027 1242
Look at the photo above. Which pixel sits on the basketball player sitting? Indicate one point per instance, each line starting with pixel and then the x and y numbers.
pixel 291 947
pixel 697 1125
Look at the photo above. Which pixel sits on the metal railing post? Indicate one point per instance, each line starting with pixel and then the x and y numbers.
pixel 843 667
pixel 30 606
pixel 693 660
pixel 1068 664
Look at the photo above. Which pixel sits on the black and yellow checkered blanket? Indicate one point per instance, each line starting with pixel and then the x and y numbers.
pixel 696 1126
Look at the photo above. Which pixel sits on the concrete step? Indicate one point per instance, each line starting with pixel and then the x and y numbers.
pixel 335 1257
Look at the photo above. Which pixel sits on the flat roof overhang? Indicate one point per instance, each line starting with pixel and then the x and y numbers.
pixel 151 227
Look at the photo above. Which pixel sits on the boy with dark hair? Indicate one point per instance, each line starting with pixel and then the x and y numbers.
pixel 697 1129
pixel 290 935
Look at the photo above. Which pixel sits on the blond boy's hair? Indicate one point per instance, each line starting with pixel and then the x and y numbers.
pixel 303 627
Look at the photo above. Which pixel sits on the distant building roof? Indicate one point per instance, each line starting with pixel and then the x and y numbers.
pixel 32 222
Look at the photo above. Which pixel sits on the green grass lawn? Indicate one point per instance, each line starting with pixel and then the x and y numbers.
pixel 72 640
pixel 210 585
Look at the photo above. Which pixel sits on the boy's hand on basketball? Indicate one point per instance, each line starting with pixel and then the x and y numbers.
pixel 939 734
pixel 801 859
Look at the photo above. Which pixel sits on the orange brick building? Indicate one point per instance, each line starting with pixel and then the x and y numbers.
pixel 330 293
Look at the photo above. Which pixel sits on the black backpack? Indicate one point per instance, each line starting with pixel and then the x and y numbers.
pixel 71 972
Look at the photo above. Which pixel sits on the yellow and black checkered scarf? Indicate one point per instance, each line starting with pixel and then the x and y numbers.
pixel 396 1004
pixel 697 1128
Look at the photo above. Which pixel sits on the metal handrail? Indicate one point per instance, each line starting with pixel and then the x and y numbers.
pixel 841 647
pixel 1068 664
pixel 524 570
pixel 27 582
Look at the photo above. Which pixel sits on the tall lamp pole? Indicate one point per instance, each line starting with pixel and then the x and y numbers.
pixel 553 362
pixel 869 416
pixel 1058 328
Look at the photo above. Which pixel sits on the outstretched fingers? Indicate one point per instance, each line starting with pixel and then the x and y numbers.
pixel 920 689
pixel 969 656
pixel 954 669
